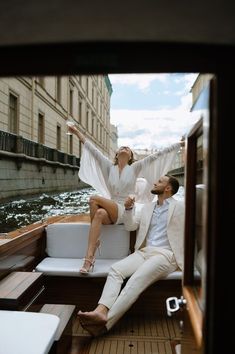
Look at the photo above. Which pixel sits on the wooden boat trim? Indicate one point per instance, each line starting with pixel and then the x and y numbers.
pixel 195 314
pixel 25 235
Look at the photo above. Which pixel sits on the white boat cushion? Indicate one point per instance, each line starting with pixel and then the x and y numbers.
pixel 66 247
pixel 27 332
pixel 70 267
pixel 69 240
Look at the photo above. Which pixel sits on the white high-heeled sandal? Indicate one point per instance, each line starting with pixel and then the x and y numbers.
pixel 84 270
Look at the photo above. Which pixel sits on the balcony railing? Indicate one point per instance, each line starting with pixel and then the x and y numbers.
pixel 18 146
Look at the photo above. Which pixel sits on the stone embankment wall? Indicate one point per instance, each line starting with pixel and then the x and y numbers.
pixel 35 177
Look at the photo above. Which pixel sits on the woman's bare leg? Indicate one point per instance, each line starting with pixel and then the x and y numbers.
pixel 93 207
pixel 100 217
pixel 109 205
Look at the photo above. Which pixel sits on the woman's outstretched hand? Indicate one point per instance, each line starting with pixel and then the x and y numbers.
pixel 74 130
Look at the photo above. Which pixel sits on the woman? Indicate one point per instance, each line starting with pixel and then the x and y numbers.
pixel 115 182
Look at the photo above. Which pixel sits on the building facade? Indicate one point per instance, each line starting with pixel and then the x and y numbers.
pixel 33 116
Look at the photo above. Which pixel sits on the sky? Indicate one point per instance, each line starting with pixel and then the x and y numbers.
pixel 151 111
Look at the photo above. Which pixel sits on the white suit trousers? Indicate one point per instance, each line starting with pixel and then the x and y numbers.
pixel 144 267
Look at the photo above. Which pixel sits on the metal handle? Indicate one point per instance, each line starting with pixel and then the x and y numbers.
pixel 173 304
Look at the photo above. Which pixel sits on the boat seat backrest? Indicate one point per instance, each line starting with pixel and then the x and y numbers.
pixel 69 240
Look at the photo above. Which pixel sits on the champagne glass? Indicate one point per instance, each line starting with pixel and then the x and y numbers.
pixel 70 124
pixel 132 196
pixel 131 204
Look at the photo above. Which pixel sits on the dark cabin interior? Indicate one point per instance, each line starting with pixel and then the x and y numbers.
pixel 62 37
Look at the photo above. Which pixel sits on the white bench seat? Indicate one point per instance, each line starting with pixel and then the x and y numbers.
pixel 66 246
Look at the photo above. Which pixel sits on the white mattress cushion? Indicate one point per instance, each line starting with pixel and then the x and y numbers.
pixel 69 240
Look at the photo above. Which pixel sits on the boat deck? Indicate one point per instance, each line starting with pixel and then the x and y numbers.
pixel 132 335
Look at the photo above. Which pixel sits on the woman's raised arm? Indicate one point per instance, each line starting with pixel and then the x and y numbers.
pixel 73 129
pixel 154 166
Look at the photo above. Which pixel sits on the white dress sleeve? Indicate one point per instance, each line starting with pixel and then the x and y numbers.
pixel 94 169
pixel 156 165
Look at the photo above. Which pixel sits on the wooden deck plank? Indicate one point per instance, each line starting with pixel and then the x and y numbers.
pixel 125 346
pixel 178 331
pixel 98 346
pixel 141 347
pixel 107 347
pixel 120 347
pixel 132 335
pixel 134 326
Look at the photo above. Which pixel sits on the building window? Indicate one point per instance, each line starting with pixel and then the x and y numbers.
pixel 58 137
pixel 98 131
pixel 93 126
pixel 13 113
pixel 87 86
pixel 41 80
pixel 80 148
pixel 58 89
pixel 70 144
pixel 71 87
pixel 93 96
pixel 105 139
pixel 80 110
pixel 101 134
pixel 87 120
pixel 41 128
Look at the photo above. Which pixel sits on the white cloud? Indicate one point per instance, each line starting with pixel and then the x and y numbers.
pixel 142 81
pixel 152 129
pixel 149 129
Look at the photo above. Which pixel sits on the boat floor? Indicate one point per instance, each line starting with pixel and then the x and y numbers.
pixel 132 335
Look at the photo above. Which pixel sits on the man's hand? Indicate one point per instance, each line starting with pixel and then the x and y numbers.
pixel 129 203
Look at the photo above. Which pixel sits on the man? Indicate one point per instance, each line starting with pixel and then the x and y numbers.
pixel 158 252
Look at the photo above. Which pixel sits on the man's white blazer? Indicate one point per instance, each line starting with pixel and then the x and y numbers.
pixel 175 226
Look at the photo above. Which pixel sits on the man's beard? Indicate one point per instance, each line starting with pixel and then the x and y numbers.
pixel 156 191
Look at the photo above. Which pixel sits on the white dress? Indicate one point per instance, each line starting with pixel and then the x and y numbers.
pixel 99 172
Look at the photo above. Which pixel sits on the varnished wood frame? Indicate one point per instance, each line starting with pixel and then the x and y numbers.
pixel 194 312
pixel 151 57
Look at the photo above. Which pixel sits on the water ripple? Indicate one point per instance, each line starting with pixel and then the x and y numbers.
pixel 23 212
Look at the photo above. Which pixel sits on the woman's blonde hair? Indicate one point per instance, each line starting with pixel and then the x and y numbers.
pixel 131 160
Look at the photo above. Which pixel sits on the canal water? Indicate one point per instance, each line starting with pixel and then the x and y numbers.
pixel 25 211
